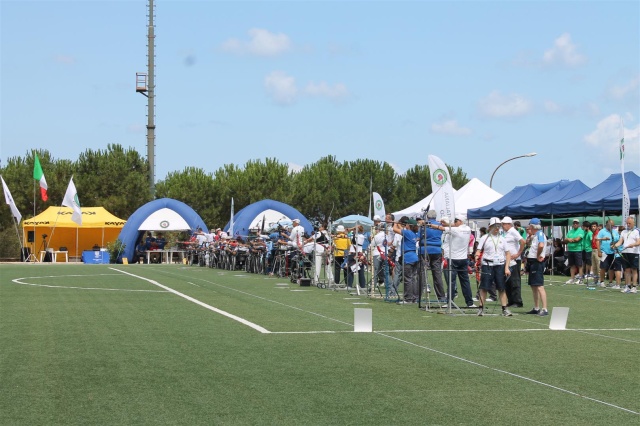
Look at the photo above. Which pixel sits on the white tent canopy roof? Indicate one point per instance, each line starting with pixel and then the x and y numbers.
pixel 473 195
pixel 164 219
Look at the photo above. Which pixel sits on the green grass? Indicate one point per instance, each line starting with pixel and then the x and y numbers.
pixel 98 356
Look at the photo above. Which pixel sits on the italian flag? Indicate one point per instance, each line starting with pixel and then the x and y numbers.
pixel 39 176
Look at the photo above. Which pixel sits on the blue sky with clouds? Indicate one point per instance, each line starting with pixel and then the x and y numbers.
pixel 473 82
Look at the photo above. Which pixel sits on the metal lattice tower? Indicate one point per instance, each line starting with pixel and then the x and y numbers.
pixel 145 84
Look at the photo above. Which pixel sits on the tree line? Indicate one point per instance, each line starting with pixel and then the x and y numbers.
pixel 116 179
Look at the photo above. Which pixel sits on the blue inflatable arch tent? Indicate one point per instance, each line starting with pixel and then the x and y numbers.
pixel 175 210
pixel 268 210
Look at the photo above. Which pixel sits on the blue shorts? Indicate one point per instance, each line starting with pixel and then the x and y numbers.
pixel 491 274
pixel 536 272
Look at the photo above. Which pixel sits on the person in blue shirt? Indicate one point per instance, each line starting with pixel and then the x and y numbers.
pixel 431 252
pixel 610 259
pixel 408 228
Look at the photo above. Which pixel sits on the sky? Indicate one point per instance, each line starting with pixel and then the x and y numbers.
pixel 472 82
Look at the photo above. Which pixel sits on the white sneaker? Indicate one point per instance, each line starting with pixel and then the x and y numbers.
pixel 602 284
pixel 615 287
pixel 626 289
pixel 633 290
pixel 489 299
pixel 569 282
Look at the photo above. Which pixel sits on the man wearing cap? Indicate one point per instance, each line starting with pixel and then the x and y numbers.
pixel 341 244
pixel 456 250
pixel 573 239
pixel 611 263
pixel 495 265
pixel 535 266
pixel 515 246
pixel 410 258
pixel 630 242
pixel 431 252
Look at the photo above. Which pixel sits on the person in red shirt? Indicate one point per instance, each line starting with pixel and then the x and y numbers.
pixel 595 260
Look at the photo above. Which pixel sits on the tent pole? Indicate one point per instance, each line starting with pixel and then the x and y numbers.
pixel 553 258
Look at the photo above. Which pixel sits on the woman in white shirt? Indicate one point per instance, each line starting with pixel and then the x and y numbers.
pixel 494 266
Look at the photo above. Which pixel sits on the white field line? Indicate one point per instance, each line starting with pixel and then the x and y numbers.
pixel 518 376
pixel 197 302
pixel 598 299
pixel 607 337
pixel 276 302
pixel 19 281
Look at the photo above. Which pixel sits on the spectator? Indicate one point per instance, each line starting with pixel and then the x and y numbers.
pixel 630 241
pixel 535 266
pixel 573 239
pixel 586 249
pixel 595 260
pixel 611 265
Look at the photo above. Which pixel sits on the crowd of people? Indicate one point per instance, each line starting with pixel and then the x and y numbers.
pixel 400 253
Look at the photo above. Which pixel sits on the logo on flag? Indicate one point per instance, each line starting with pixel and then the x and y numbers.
pixel 440 177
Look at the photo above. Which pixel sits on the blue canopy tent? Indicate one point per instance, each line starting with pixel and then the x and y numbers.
pixel 353 220
pixel 520 194
pixel 545 203
pixel 171 212
pixel 604 197
pixel 255 214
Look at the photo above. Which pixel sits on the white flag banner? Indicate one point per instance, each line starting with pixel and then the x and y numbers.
pixel 442 201
pixel 626 201
pixel 9 199
pixel 378 206
pixel 71 200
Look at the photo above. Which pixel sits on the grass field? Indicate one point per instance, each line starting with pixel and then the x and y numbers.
pixel 173 344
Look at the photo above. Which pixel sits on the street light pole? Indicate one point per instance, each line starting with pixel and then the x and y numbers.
pixel 531 154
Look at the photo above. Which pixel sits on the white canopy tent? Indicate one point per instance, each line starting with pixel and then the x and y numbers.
pixel 473 195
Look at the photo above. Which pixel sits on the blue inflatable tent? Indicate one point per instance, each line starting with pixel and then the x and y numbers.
pixel 267 211
pixel 165 214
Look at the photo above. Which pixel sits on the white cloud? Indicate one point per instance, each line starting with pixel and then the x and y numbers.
pixel 281 88
pixel 261 43
pixel 498 105
pixel 450 127
pixel 336 92
pixel 628 89
pixel 563 52
pixel 605 139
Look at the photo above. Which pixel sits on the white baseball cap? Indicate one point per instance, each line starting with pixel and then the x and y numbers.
pixel 376 217
pixel 340 228
pixel 507 219
pixel 494 221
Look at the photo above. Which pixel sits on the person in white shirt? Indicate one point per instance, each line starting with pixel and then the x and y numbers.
pixel 455 248
pixel 535 266
pixel 515 245
pixel 319 244
pixel 495 265
pixel 630 242
pixel 379 254
pixel 296 237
